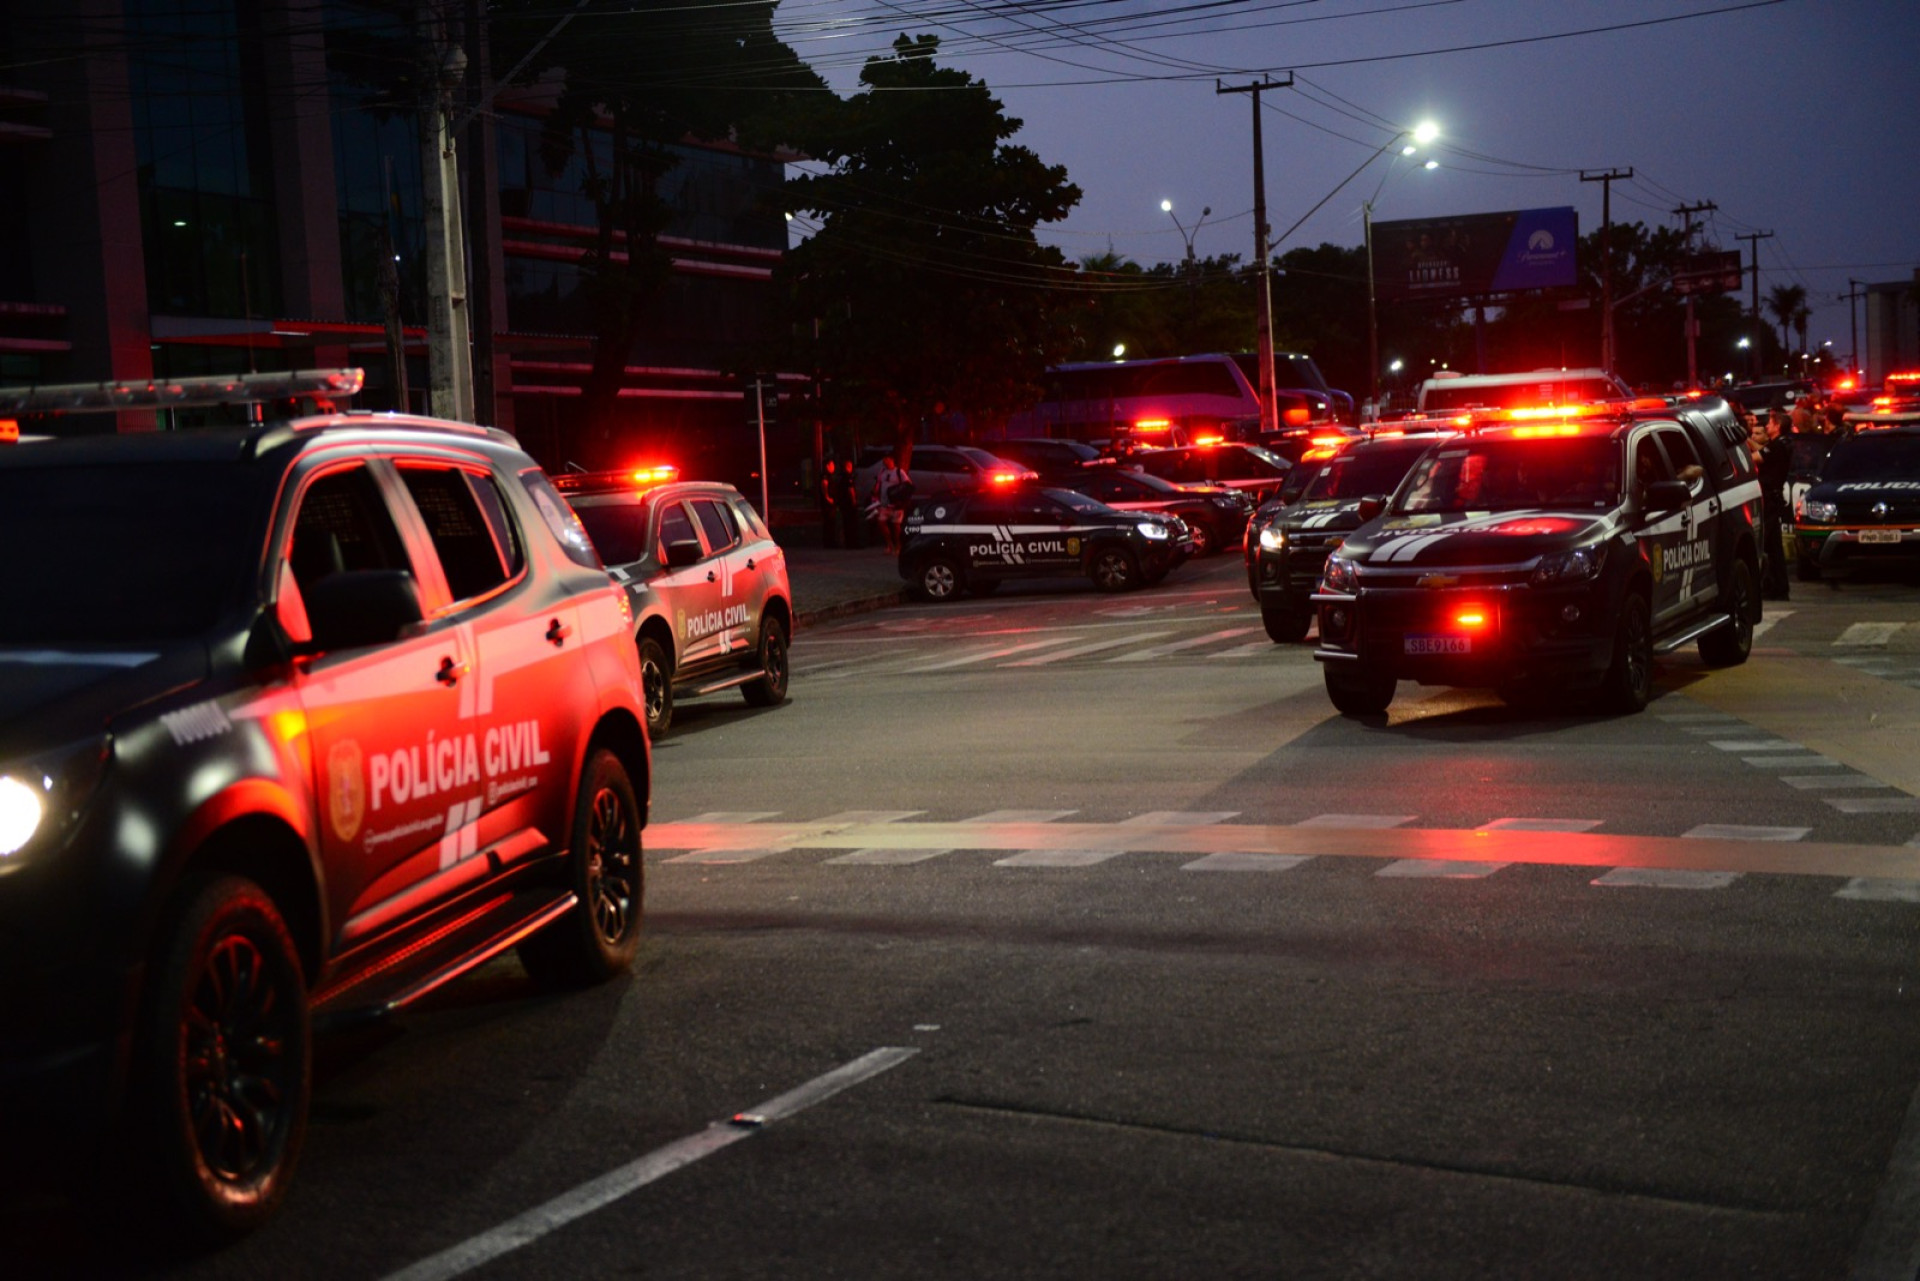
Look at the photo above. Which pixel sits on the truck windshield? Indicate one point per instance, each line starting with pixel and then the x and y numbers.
pixel 118 554
pixel 1515 475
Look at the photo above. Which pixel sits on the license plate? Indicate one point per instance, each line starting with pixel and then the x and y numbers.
pixel 1879 535
pixel 1439 645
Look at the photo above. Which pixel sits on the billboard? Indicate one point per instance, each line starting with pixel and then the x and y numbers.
pixel 1473 255
pixel 1714 272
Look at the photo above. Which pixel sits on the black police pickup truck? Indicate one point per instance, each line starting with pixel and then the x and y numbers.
pixel 297 723
pixel 1551 556
pixel 1288 542
pixel 974 542
pixel 1864 507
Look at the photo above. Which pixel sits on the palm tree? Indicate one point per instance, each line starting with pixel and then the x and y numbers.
pixel 1788 303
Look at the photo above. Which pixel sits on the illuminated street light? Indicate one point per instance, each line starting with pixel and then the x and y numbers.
pixel 1119 350
pixel 1422 135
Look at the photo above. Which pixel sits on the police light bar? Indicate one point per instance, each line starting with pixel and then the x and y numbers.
pixel 9 431
pixel 658 474
pixel 1153 424
pixel 178 393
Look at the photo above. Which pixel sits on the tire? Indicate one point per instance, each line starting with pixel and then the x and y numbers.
pixel 601 935
pixel 1285 624
pixel 1114 569
pixel 1359 693
pixel 771 689
pixel 1729 645
pixel 222 1068
pixel 938 579
pixel 656 682
pixel 1205 541
pixel 1628 684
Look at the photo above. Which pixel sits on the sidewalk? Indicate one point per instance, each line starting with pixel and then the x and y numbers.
pixel 831 582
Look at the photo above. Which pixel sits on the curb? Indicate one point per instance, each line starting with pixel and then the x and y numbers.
pixel 803 618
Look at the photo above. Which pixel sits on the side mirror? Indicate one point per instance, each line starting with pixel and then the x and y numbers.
pixel 1667 495
pixel 1370 506
pixel 683 551
pixel 362 607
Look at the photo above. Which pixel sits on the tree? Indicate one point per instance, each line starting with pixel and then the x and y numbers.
pixel 636 80
pixel 925 283
pixel 1788 303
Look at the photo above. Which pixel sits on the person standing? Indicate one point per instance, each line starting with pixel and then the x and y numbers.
pixel 830 535
pixel 892 488
pixel 1776 461
pixel 853 522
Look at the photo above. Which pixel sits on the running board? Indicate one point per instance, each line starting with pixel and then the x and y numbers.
pixel 730 682
pixel 1693 633
pixel 425 964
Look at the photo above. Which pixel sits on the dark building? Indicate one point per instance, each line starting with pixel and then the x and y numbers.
pixel 216 186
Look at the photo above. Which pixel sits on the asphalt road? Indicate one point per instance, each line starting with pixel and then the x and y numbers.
pixel 1061 934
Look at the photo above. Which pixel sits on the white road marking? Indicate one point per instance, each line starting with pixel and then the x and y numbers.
pixel 1240 861
pixel 1057 858
pixel 1364 821
pixel 1023 816
pixel 1091 647
pixel 1756 745
pixel 1540 825
pixel 1875 804
pixel 753 855
pixel 883 857
pixel 610 1187
pixel 1174 647
pixel 1791 762
pixel 1179 818
pixel 1440 869
pixel 1813 782
pixel 986 656
pixel 1738 832
pixel 1880 889
pixel 1248 650
pixel 732 816
pixel 1698 718
pixel 1868 634
pixel 1667 878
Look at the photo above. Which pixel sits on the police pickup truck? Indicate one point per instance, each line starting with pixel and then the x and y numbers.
pixel 297 722
pixel 712 608
pixel 975 542
pixel 1549 555
pixel 1864 507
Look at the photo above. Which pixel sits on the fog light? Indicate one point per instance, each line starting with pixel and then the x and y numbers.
pixel 1337 618
pixel 1569 613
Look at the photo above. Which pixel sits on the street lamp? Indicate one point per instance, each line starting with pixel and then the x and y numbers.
pixel 1192 272
pixel 1421 135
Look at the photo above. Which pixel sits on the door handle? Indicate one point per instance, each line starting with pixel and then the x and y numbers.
pixel 749 562
pixel 710 577
pixel 557 632
pixel 450 672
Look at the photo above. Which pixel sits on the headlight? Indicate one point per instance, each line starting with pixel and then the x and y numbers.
pixel 1341 575
pixel 1225 500
pixel 1575 566
pixel 1150 530
pixel 1816 512
pixel 42 797
pixel 1273 538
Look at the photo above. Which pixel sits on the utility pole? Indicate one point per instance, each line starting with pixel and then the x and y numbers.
pixel 449 351
pixel 1693 326
pixel 1606 181
pixel 1753 248
pixel 1267 422
pixel 1854 294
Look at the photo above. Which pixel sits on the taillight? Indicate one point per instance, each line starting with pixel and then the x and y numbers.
pixel 1297 416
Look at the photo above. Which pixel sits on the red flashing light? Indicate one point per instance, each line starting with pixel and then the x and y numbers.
pixel 1334 438
pixel 1318 455
pixel 1153 425
pixel 1002 477
pixel 660 474
pixel 1904 376
pixel 1471 618
pixel 1546 429
pixel 1297 416
pixel 1210 438
pixel 9 431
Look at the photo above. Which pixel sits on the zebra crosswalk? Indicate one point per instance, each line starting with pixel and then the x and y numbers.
pixel 1712 856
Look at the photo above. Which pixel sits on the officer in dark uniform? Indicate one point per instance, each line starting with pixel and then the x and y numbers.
pixel 852 524
pixel 1776 460
pixel 829 505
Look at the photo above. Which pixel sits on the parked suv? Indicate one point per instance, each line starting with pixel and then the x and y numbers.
pixel 975 543
pixel 941 469
pixel 1550 556
pixel 1257 471
pixel 712 609
pixel 297 722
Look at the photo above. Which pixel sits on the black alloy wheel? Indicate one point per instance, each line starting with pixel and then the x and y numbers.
pixel 656 684
pixel 939 579
pixel 600 937
pixel 1114 569
pixel 1628 686
pixel 1205 541
pixel 222 1068
pixel 771 688
pixel 1729 644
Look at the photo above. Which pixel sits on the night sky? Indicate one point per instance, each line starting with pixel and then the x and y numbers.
pixel 1798 117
